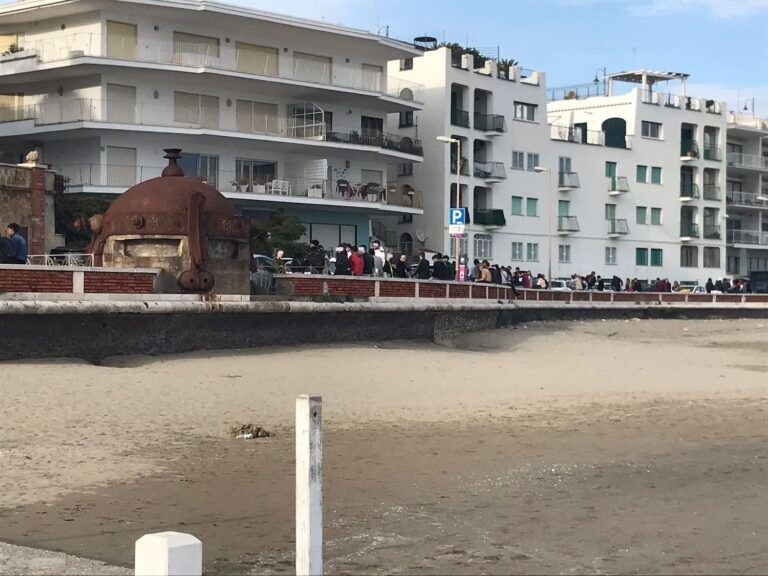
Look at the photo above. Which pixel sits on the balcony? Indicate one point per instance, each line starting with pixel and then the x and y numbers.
pixel 747 199
pixel 224 58
pixel 490 171
pixel 493 123
pixel 578 135
pixel 297 128
pixel 567 181
pixel 688 191
pixel 711 232
pixel 713 153
pixel 712 192
pixel 464 166
pixel 489 218
pixel 689 149
pixel 567 225
pixel 618 185
pixel 688 231
pixel 750 237
pixel 747 161
pixel 459 118
pixel 617 228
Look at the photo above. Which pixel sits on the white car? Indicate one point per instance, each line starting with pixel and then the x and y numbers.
pixel 559 285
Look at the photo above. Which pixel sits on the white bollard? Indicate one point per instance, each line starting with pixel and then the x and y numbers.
pixel 309 486
pixel 169 554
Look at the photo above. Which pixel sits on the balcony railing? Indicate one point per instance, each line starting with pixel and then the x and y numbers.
pixel 459 117
pixel 752 161
pixel 568 181
pixel 712 192
pixel 567 224
pixel 230 58
pixel 713 153
pixel 689 149
pixel 689 191
pixel 579 135
pixel 618 185
pixel 618 227
pixel 747 237
pixel 116 112
pixel 712 231
pixel 490 170
pixel 689 230
pixel 464 167
pixel 491 217
pixel 751 199
pixel 490 122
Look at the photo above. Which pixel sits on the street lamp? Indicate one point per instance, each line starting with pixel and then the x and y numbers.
pixel 540 169
pixel 448 140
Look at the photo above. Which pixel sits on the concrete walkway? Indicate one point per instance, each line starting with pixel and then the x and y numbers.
pixel 21 560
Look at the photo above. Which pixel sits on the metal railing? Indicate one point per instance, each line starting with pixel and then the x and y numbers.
pixel 490 122
pixel 713 153
pixel 689 149
pixel 229 58
pixel 459 117
pixel 490 170
pixel 712 192
pixel 747 237
pixel 618 227
pixel 618 185
pixel 689 230
pixel 577 92
pixel 712 231
pixel 579 135
pixel 689 190
pixel 754 161
pixel 736 198
pixel 70 259
pixel 567 224
pixel 489 217
pixel 568 180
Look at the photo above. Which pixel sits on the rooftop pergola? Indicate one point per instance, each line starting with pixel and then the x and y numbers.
pixel 646 78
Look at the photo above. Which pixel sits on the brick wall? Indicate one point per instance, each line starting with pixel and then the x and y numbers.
pixel 66 279
pixel 119 283
pixel 35 280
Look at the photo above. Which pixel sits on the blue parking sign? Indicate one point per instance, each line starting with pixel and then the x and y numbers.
pixel 457 216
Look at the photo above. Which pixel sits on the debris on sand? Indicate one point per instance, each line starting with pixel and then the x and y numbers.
pixel 249 432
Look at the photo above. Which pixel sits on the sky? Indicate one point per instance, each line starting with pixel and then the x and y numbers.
pixel 720 43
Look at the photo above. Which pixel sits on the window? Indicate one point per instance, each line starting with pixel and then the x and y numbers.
pixel 531 205
pixel 518 160
pixel 641 213
pixel 462 245
pixel 651 129
pixel 525 111
pixel 253 172
pixel 733 265
pixel 517 205
pixel 657 256
pixel 712 257
pixel 371 126
pixel 656 175
pixel 257 59
pixel 517 250
pixel 532 252
pixel 256 117
pixel 406 64
pixel 406 119
pixel 311 68
pixel 405 169
pixel 483 246
pixel 201 166
pixel 196 109
pixel 372 77
pixel 533 161
pixel 656 216
pixel 689 256
pixel 372 177
pixel 610 169
pixel 610 255
pixel 610 211
pixel 564 253
pixel 641 256
pixel 121 40
pixel 642 173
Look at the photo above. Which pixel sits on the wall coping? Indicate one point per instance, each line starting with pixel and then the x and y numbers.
pixel 57 268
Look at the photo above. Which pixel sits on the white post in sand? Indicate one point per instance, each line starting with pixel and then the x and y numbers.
pixel 309 486
pixel 169 554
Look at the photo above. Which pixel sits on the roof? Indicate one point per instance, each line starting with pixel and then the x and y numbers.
pixel 652 76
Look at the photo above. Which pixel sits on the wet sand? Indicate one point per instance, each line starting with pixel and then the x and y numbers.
pixel 613 446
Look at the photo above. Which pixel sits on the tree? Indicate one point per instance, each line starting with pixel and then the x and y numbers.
pixel 70 207
pixel 572 95
pixel 280 230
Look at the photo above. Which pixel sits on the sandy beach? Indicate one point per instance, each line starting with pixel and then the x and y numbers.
pixel 616 446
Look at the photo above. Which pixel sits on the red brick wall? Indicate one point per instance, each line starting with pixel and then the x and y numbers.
pixel 397 289
pixel 459 291
pixel 61 280
pixel 119 282
pixel 431 290
pixel 31 280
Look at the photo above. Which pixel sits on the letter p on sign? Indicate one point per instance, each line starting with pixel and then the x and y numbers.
pixel 456 216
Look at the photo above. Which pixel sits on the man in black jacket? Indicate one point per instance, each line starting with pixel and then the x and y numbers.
pixel 367 260
pixel 422 270
pixel 438 267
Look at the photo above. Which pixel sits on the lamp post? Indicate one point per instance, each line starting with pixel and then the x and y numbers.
pixel 448 140
pixel 540 169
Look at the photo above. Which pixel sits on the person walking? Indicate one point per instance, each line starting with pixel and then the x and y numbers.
pixel 709 286
pixel 316 258
pixel 401 268
pixel 422 270
pixel 355 261
pixel 18 243
pixel 438 267
pixel 378 263
pixel 388 269
pixel 342 262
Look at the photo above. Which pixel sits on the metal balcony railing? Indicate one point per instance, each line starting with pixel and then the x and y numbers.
pixel 689 230
pixel 618 185
pixel 490 122
pixel 579 135
pixel 711 231
pixel 459 117
pixel 567 224
pixel 489 217
pixel 618 227
pixel 712 192
pixel 713 153
pixel 752 161
pixel 735 198
pixel 689 191
pixel 490 170
pixel 747 237
pixel 568 180
pixel 689 149
pixel 69 259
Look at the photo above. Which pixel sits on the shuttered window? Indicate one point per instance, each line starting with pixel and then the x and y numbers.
pixel 257 59
pixel 121 40
pixel 259 117
pixel 311 68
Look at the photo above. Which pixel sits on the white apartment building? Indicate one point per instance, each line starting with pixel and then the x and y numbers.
pixel 626 183
pixel 276 112
pixel 747 194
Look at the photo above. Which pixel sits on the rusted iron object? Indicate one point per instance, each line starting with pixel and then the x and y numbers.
pixel 179 224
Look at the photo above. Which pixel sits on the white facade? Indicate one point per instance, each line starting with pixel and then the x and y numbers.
pixel 274 111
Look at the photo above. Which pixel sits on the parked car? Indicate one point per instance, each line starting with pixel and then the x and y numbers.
pixel 560 286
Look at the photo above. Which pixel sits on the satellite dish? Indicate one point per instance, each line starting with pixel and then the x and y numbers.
pixel 421 236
